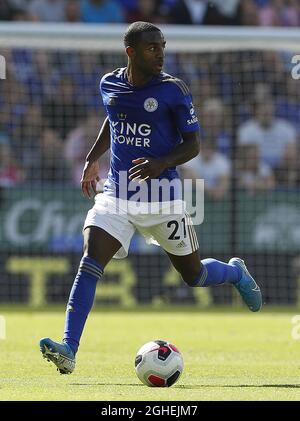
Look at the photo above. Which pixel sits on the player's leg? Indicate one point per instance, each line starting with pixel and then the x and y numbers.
pixel 214 272
pixel 99 248
pixel 99 245
pixel 189 267
pixel 206 272
pixel 178 238
pixel 106 232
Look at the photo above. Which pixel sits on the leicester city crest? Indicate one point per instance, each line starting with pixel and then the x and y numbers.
pixel 150 104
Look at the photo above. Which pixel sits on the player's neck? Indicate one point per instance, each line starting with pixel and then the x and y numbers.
pixel 136 78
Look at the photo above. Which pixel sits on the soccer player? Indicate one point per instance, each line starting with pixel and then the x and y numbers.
pixel 151 127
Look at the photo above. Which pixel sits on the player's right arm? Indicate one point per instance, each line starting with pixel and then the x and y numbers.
pixel 90 174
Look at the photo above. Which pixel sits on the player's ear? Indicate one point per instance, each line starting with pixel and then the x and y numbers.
pixel 130 51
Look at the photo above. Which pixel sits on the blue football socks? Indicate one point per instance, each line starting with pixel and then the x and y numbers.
pixel 214 272
pixel 81 300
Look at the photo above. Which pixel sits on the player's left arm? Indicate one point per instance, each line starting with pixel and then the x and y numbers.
pixel 145 168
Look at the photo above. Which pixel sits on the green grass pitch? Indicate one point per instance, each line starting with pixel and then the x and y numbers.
pixel 227 355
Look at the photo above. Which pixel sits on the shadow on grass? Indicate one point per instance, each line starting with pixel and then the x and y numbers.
pixel 197 386
pixel 106 384
pixel 284 386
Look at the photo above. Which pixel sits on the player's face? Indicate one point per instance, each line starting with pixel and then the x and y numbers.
pixel 149 54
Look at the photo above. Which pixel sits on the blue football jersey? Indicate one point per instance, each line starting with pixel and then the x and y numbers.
pixel 145 121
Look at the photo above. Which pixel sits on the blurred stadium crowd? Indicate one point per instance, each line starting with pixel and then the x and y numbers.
pixel 247 102
pixel 197 12
pixel 248 105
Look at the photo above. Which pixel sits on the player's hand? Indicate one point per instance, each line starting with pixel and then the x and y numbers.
pixel 145 168
pixel 89 179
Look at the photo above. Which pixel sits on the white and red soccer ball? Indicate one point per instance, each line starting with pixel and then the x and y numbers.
pixel 158 364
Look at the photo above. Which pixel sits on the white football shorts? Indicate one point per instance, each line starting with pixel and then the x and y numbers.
pixel 165 224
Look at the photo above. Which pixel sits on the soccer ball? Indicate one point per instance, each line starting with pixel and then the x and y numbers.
pixel 158 364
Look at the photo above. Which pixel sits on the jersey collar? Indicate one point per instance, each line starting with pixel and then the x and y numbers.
pixel 153 81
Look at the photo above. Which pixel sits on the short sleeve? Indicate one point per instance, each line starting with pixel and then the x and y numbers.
pixel 183 108
pixel 104 88
pixel 101 88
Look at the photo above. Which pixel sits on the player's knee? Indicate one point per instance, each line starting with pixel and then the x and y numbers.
pixel 90 251
pixel 191 275
pixel 91 247
pixel 87 251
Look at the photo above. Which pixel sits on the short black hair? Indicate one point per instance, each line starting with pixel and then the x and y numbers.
pixel 135 30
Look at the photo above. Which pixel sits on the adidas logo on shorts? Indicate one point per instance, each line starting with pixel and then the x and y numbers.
pixel 181 245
